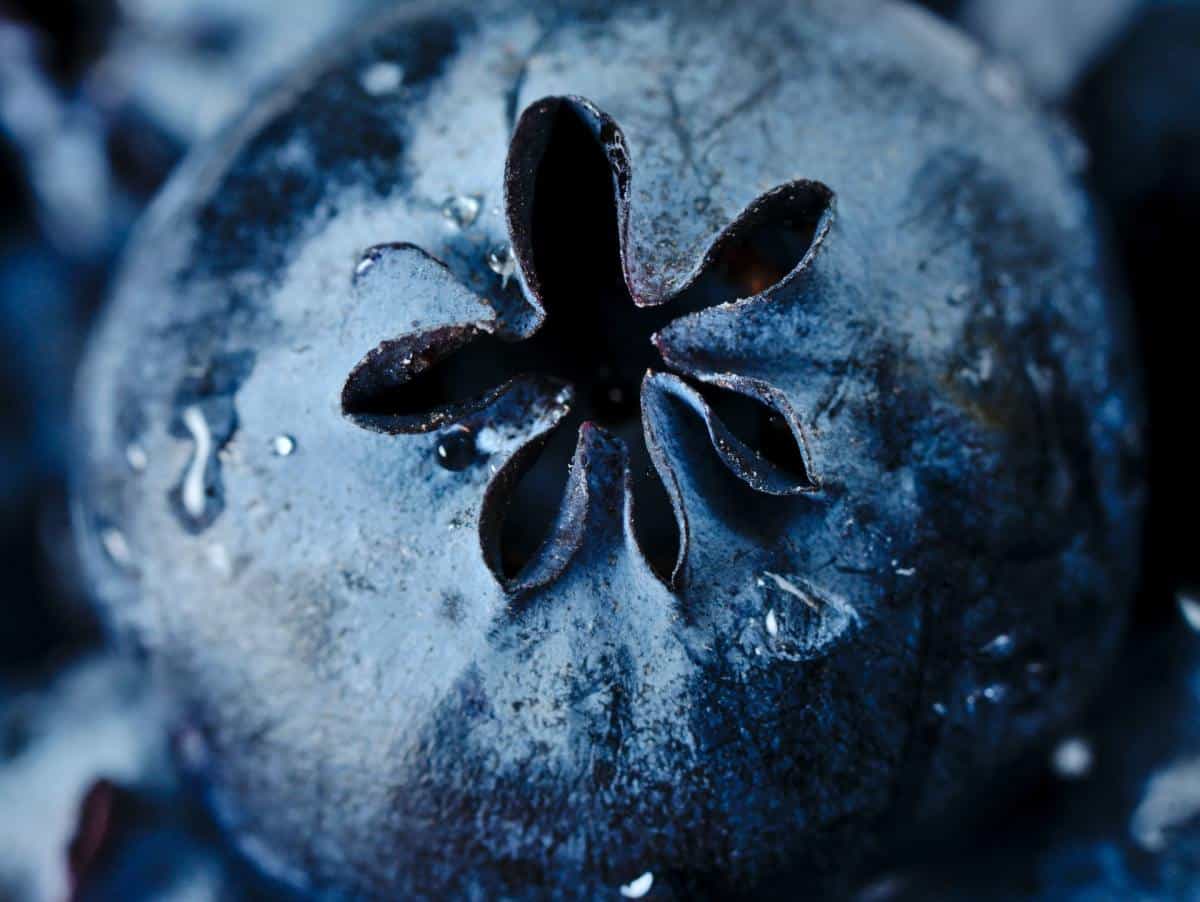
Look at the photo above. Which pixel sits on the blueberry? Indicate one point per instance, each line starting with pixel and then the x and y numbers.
pixel 792 387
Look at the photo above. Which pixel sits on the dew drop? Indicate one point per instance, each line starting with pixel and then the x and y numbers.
pixel 1189 607
pixel 1071 149
pixel 456 448
pixel 382 78
pixel 1075 153
pixel 636 889
pixel 995 693
pixel 365 264
pixel 502 262
pixel 116 546
pixel 193 494
pixel 283 446
pixel 192 748
pixel 461 210
pixel 1002 83
pixel 939 709
pixel 219 559
pixel 1000 647
pixel 772 623
pixel 1073 758
pixel 135 456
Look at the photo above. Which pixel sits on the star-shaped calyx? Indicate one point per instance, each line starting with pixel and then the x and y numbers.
pixel 588 358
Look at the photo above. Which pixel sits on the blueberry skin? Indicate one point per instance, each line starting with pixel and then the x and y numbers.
pixel 384 718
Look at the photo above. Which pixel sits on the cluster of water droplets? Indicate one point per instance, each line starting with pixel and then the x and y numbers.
pixel 799 622
pixel 1006 670
pixel 461 210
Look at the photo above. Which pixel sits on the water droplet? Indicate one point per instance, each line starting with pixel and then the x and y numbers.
pixel 885 889
pixel 502 262
pixel 462 209
pixel 636 889
pixel 192 748
pixel 115 546
pixel 1000 647
pixel 772 623
pixel 456 448
pixel 382 78
pixel 995 693
pixel 939 709
pixel 1073 758
pixel 1078 157
pixel 219 560
pixel 135 456
pixel 986 365
pixel 283 446
pixel 1074 153
pixel 1189 606
pixel 1170 800
pixel 193 493
pixel 369 259
pixel 1002 82
pixel 906 571
pixel 786 585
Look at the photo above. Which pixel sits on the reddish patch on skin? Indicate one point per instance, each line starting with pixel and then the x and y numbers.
pixel 96 824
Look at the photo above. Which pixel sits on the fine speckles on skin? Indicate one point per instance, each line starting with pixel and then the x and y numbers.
pixel 637 889
pixel 192 493
pixel 502 261
pixel 1189 607
pixel 382 78
pixel 461 210
pixel 1072 758
pixel 283 446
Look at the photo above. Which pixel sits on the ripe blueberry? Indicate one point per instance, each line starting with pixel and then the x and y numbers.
pixel 725 623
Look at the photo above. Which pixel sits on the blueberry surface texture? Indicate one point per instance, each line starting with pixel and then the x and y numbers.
pixel 630 450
